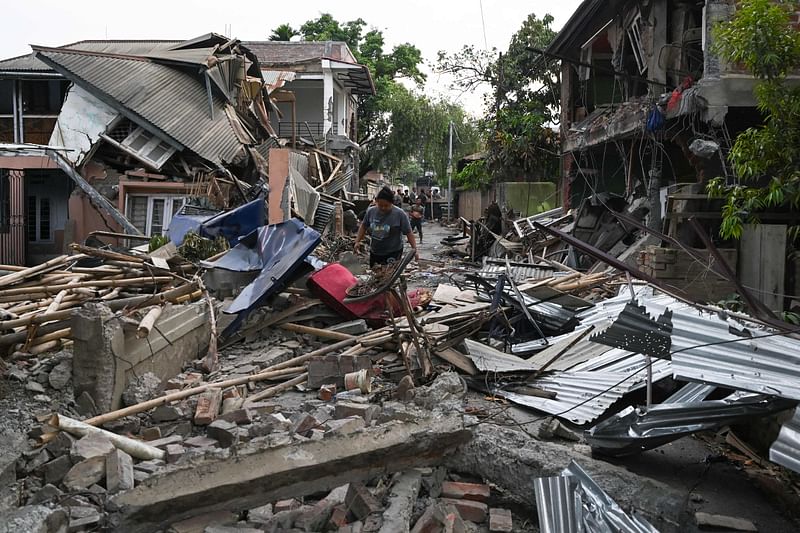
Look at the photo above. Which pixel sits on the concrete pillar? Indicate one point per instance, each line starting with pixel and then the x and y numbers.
pixel 327 96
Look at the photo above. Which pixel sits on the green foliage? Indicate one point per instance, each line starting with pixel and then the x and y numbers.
pixel 766 158
pixel 284 32
pixel 523 102
pixel 196 248
pixel 760 37
pixel 474 175
pixel 156 242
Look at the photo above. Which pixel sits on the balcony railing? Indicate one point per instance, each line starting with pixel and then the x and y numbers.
pixel 316 129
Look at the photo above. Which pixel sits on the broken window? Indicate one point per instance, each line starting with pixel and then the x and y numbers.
pixel 140 143
pixel 635 36
pixel 152 214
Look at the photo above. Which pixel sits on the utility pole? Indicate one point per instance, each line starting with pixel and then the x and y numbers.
pixel 450 177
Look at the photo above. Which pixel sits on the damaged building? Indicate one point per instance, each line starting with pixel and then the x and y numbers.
pixel 649 113
pixel 119 136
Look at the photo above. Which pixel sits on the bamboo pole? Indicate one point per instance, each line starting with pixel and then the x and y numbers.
pixel 127 282
pixel 10 339
pixel 317 332
pixel 10 279
pixel 107 254
pixel 181 395
pixel 277 389
pixel 134 448
pixel 148 322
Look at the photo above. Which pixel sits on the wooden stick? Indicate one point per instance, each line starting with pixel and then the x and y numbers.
pixel 277 389
pixel 180 395
pixel 147 323
pixel 106 254
pixel 317 332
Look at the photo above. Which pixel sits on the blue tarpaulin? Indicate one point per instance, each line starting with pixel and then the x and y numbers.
pixel 231 224
pixel 277 251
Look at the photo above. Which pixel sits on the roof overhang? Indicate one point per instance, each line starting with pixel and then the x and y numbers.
pixel 353 76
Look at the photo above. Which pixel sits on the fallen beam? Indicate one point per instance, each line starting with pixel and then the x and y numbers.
pixel 256 475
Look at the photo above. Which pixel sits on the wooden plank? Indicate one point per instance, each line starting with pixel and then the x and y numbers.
pixel 765 278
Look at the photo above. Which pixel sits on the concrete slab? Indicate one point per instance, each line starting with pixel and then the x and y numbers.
pixel 254 475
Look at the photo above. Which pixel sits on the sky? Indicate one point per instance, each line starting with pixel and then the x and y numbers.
pixel 431 25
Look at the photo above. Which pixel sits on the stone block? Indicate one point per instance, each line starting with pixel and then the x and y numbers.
pixel 223 432
pixel 55 470
pixel 34 519
pixel 345 426
pixel 86 473
pixel 174 452
pixel 90 446
pixel 200 442
pixel 286 505
pixel 368 412
pixel 119 471
pixel 167 413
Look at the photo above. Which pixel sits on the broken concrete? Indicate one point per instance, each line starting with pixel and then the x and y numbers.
pixel 512 460
pixel 402 497
pixel 34 519
pixel 107 356
pixel 255 475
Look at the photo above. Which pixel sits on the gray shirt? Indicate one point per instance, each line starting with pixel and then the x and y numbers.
pixel 387 230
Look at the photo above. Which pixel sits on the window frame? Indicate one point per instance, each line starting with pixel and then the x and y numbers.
pixel 168 212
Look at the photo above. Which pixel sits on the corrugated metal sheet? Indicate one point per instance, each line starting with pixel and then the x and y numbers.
pixel 274 79
pixel 323 215
pixel 690 393
pixel 518 272
pixel 786 449
pixel 487 359
pixel 634 430
pixel 555 504
pixel 704 350
pixel 635 330
pixel 167 99
pixel 524 226
pixel 581 506
pixel 581 397
pixel 339 182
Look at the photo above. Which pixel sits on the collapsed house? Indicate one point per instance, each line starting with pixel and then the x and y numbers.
pixel 119 136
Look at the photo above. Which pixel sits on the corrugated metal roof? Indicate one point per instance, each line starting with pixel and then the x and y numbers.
pixel 763 364
pixel 786 449
pixel 165 98
pixel 29 62
pixel 288 52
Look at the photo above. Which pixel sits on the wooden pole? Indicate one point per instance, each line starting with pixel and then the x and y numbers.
pixel 317 332
pixel 277 389
pixel 148 322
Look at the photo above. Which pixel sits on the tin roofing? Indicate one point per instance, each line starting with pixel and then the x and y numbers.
pixel 167 99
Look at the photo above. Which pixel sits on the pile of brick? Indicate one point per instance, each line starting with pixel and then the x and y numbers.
pixel 691 274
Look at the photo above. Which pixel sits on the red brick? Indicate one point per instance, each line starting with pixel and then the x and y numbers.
pixel 207 407
pixel 327 392
pixel 468 509
pixel 427 523
pixel 465 491
pixel 500 520
pixel 360 501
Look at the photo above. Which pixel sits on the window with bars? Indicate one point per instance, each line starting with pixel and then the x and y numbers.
pixel 152 214
pixel 39 219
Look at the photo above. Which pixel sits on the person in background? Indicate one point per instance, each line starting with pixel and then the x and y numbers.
pixel 413 195
pixel 386 223
pixel 417 215
pixel 398 198
pixel 407 198
pixel 422 196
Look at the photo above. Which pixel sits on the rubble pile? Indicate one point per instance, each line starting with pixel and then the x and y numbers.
pixel 266 389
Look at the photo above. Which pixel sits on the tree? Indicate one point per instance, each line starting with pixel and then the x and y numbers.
pixel 520 108
pixel 375 114
pixel 284 32
pixel 766 158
